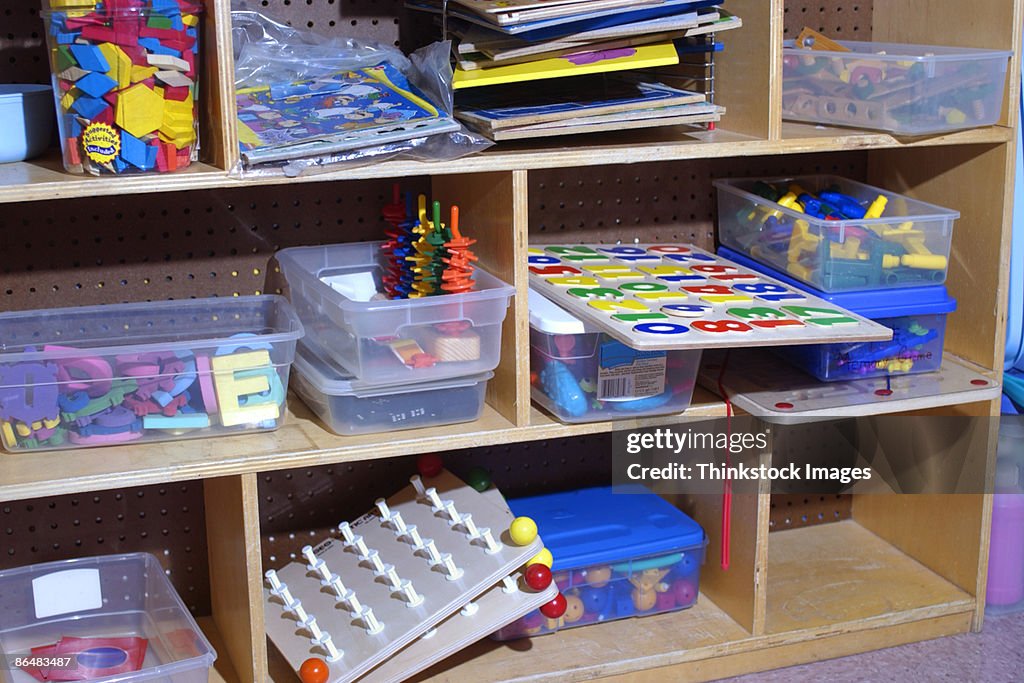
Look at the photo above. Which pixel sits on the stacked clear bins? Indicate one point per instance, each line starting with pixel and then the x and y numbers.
pixel 616 555
pixel 370 364
pixel 582 375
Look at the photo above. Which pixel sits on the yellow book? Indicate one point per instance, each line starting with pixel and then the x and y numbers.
pixel 578 64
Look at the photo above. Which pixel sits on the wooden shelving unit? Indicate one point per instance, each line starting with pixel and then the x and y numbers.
pixel 901 568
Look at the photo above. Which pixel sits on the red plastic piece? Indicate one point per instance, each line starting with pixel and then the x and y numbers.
pixel 555 608
pixel 178 93
pixel 429 465
pixel 458 276
pixel 314 670
pixel 538 577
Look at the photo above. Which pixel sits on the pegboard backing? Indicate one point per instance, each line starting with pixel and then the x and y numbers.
pixel 297 506
pixel 655 202
pixel 166 520
pixel 22 43
pixel 845 19
pixel 176 245
pixel 793 510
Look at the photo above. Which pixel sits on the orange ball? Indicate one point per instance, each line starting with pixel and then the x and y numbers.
pixel 314 670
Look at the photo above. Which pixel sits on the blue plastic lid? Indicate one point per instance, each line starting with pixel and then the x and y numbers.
pixel 890 302
pixel 595 526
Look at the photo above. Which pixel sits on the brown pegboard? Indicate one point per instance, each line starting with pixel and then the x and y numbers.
pixel 663 201
pixel 176 245
pixel 166 520
pixel 794 510
pixel 844 20
pixel 304 505
pixel 22 43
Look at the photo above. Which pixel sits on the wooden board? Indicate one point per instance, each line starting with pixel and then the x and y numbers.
pixel 366 642
pixel 677 296
pixel 775 391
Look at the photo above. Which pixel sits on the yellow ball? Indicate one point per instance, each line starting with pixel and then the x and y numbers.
pixel 543 557
pixel 522 530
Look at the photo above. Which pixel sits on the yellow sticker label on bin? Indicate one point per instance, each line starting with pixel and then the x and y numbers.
pixel 100 142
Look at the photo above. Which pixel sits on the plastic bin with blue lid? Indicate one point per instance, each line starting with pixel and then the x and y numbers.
pixel 112 596
pixel 582 375
pixel 351 406
pixel 916 315
pixel 819 229
pixel 380 341
pixel 616 555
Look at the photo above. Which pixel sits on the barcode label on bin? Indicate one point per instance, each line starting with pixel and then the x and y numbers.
pixel 625 374
pixel 617 387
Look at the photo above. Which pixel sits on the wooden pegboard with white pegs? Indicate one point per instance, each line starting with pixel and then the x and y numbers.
pixel 394 574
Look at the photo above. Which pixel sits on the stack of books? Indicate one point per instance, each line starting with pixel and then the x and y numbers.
pixel 599 51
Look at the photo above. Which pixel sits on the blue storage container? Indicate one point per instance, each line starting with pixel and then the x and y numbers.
pixel 916 315
pixel 616 555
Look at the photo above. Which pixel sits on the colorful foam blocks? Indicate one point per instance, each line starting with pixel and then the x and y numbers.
pixel 130 65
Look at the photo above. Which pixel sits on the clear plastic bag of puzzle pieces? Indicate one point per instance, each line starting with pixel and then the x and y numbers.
pixel 308 103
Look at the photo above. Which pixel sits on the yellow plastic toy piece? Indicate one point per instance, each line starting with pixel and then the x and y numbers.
pixel 140 111
pixel 120 64
pixel 7 432
pixel 68 99
pixel 798 270
pixel 849 248
pixel 231 388
pixel 789 201
pixel 190 19
pixel 801 241
pixel 877 207
pixel 141 73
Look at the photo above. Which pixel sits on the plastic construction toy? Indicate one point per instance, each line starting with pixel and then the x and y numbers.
pixel 653 567
pixel 834 234
pixel 425 257
pixel 430 570
pixel 126 82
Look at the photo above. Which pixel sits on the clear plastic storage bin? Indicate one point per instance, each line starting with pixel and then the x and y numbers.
pixel 907 246
pixel 102 597
pixel 394 341
pixel 617 555
pixel 349 406
pixel 128 373
pixel 904 89
pixel 580 375
pixel 916 316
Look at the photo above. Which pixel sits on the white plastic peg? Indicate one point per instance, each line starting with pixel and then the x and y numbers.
pixel 471 530
pixel 417 484
pixel 452 572
pixel 414 535
pixel 360 545
pixel 314 629
pixel 492 545
pixel 327 643
pixel 385 511
pixel 453 514
pixel 392 575
pixel 374 557
pixel 398 522
pixel 299 611
pixel 354 606
pixel 275 582
pixel 411 596
pixel 470 609
pixel 511 585
pixel 346 531
pixel 435 500
pixel 370 621
pixel 335 582
pixel 435 557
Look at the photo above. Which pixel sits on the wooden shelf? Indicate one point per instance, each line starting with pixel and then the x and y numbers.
pixel 223 670
pixel 44 179
pixel 301 442
pixel 840 573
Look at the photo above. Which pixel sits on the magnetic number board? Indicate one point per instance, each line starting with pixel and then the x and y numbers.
pixel 677 296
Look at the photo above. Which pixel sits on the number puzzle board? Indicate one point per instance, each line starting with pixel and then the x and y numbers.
pixel 494 609
pixel 777 392
pixel 402 624
pixel 676 296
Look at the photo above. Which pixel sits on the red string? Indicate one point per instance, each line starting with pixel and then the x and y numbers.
pixel 727 486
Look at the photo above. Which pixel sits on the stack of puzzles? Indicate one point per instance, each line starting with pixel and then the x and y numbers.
pixel 126 82
pixel 432 569
pixel 501 45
